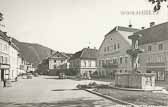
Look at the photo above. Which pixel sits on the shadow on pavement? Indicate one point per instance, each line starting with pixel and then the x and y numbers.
pixel 51 78
pixel 66 89
pixel 69 103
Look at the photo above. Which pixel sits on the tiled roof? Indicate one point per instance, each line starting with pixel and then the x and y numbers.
pixel 7 39
pixel 67 54
pixel 121 28
pixel 89 53
pixel 154 34
pixel 4 36
pixel 58 55
pixel 76 55
pixel 128 29
pixel 85 53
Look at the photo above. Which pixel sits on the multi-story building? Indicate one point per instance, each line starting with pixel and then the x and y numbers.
pixel 21 64
pixel 57 61
pixel 4 56
pixel 112 54
pixel 84 62
pixel 13 59
pixel 154 41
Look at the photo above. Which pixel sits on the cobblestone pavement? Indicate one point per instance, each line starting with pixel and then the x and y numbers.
pixel 45 91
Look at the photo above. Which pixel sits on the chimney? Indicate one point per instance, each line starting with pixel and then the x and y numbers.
pixel 130 25
pixel 10 40
pixel 152 24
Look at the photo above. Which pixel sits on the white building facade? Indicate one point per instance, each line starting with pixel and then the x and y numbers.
pixel 84 62
pixel 154 59
pixel 4 57
pixel 13 60
pixel 112 54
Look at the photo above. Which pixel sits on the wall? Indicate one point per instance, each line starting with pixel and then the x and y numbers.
pixel 154 60
pixel 58 62
pixel 4 57
pixel 13 53
pixel 109 55
pixel 87 67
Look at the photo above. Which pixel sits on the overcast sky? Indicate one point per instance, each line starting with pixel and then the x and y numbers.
pixel 69 25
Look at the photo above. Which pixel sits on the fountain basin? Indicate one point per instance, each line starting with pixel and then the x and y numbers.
pixel 145 81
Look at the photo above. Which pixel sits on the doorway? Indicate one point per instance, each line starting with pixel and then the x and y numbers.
pixel 2 74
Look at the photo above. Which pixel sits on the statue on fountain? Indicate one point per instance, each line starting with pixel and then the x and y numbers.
pixel 135 79
pixel 134 51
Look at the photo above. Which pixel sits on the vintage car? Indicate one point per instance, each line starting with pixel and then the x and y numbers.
pixel 29 76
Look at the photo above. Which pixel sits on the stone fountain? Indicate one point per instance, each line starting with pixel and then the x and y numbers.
pixel 135 79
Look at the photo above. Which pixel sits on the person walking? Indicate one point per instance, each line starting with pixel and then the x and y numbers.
pixel 4 83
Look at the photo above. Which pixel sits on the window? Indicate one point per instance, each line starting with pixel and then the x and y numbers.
pixel 118 45
pixel 161 75
pixel 1 46
pixel 1 59
pixel 160 46
pixel 149 48
pixel 115 61
pixel 55 66
pixel 90 64
pixel 108 48
pixel 5 61
pixel 104 49
pixel 136 44
pixel 62 61
pixel 85 63
pixel 99 62
pixel 102 62
pixel 114 46
pixel 126 59
pixel 120 60
pixel 55 61
pixel 5 48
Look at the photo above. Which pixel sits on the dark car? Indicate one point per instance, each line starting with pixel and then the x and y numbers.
pixel 61 75
pixel 29 76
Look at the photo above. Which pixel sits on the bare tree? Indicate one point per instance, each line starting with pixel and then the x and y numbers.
pixel 157 4
pixel 1 16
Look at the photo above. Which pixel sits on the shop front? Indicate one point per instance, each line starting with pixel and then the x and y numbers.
pixel 160 73
pixel 4 72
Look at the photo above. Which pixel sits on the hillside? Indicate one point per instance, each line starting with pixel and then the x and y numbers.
pixel 33 53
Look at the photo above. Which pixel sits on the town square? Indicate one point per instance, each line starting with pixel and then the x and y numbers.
pixel 83 53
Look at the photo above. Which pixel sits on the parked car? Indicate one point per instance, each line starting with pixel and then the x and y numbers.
pixel 24 76
pixel 36 74
pixel 61 75
pixel 29 76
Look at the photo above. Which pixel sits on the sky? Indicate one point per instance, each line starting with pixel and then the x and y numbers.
pixel 70 25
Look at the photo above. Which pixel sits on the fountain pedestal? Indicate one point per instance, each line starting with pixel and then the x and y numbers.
pixel 144 81
pixel 135 79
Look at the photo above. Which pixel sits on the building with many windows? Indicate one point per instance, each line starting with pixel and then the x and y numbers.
pixel 4 56
pixel 13 59
pixel 84 62
pixel 154 41
pixel 58 61
pixel 112 54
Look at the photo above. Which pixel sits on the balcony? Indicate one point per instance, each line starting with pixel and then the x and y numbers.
pixel 110 65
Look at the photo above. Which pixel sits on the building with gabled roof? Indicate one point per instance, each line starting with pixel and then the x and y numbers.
pixel 8 57
pixel 154 42
pixel 112 54
pixel 84 62
pixel 58 61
